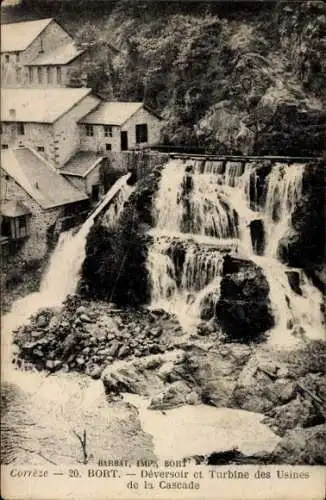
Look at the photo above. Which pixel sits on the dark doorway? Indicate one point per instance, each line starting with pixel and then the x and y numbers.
pixel 5 227
pixel 124 141
pixel 95 192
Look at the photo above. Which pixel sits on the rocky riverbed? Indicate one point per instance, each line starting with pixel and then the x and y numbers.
pixel 145 352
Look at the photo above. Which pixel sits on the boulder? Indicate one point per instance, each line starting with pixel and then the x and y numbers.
pixel 244 309
pixel 122 376
pixel 123 351
pixel 85 318
pixel 299 412
pixel 257 233
pixel 302 446
pixel 42 321
pixel 81 310
pixel 294 281
pixel 173 395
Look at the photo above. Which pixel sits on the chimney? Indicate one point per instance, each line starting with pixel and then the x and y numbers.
pixel 12 113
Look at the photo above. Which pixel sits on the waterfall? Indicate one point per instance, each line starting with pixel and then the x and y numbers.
pixel 208 207
pixel 191 212
pixel 62 275
pixel 284 189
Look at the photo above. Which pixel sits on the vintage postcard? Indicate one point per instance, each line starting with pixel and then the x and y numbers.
pixel 163 250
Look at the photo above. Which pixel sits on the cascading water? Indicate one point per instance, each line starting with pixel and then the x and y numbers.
pixel 62 276
pixel 193 214
pixel 218 201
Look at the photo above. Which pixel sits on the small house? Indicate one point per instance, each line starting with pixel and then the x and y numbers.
pixel 119 126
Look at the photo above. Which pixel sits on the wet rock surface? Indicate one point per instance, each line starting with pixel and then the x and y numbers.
pixel 244 309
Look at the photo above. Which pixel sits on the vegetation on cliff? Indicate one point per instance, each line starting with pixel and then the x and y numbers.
pixel 229 76
pixel 115 265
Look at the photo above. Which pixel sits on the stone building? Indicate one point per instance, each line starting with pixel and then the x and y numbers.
pixel 119 126
pixel 45 119
pixel 37 202
pixel 37 53
pixel 83 171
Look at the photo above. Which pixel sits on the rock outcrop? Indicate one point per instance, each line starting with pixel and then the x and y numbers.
pixel 115 268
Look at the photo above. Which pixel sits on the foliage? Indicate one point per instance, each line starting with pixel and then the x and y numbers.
pixel 232 77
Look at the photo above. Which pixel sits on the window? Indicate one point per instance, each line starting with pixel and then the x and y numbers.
pixel 40 149
pixel 95 192
pixel 17 57
pixel 30 75
pixel 49 74
pixel 18 74
pixel 21 128
pixel 22 222
pixel 59 74
pixel 4 146
pixel 89 130
pixel 108 147
pixel 1 129
pixel 108 131
pixel 141 133
pixel 7 58
pixel 39 75
pixel 5 227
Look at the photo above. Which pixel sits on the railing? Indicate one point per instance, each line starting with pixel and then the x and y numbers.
pixel 244 158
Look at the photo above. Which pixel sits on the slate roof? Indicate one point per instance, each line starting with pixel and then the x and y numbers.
pixel 39 105
pixel 18 36
pixel 38 178
pixel 81 164
pixel 14 208
pixel 62 55
pixel 112 113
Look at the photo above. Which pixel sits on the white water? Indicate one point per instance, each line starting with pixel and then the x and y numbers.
pixel 283 191
pixel 188 431
pixel 60 279
pixel 218 209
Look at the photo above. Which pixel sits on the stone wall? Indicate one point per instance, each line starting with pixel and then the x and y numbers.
pixel 37 135
pixel 142 162
pixel 66 130
pixel 35 246
pixel 59 140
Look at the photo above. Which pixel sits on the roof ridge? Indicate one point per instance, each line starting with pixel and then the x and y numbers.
pixel 29 21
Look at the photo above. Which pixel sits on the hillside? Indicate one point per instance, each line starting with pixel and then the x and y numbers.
pixel 228 76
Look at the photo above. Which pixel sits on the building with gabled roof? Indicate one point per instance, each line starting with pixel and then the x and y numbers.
pixel 83 170
pixel 45 119
pixel 39 179
pixel 37 53
pixel 36 201
pixel 17 37
pixel 119 126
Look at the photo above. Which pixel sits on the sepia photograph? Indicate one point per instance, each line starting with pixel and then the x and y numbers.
pixel 163 263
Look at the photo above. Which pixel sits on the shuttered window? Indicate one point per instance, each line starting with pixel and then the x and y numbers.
pixel 141 133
